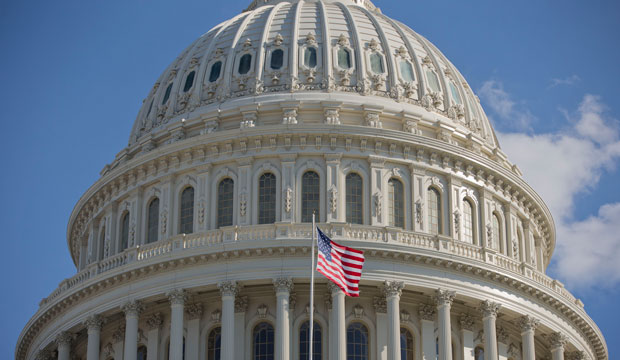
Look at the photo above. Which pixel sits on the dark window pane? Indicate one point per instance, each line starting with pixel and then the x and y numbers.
pixel 406 345
pixel 277 59
pixel 267 199
pixel 406 71
pixel 153 221
pixel 141 353
pixel 189 81
pixel 376 63
pixel 187 211
pixel 357 342
pixel 396 203
pixel 216 69
pixel 124 231
pixel 244 64
pixel 225 194
pixel 167 94
pixel 214 344
pixel 354 199
pixel 310 196
pixel 344 59
pixel 310 57
pixel 101 242
pixel 263 343
pixel 434 211
pixel 304 341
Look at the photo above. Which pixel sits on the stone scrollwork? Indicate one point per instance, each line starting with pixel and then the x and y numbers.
pixel 502 335
pixel 164 222
pixel 241 304
pixel 64 338
pixel 43 355
pixel 132 308
pixel 418 211
pixel 288 199
pixel 283 284
pixel 154 321
pixel 332 116
pixel 216 315
pixel 243 202
pixel 467 322
pixel 527 323
pixel 489 308
pixel 404 316
pixel 194 311
pixel 290 117
pixel 261 311
pixel 228 288
pixel 444 297
pixel 393 288
pixel 94 322
pixel 457 221
pixel 373 120
pixel 333 199
pixel 358 311
pixel 557 340
pixel 119 334
pixel 378 200
pixel 427 312
pixel 380 304
pixel 576 355
pixel 456 112
pixel 177 296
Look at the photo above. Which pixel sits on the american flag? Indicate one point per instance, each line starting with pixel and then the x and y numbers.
pixel 340 264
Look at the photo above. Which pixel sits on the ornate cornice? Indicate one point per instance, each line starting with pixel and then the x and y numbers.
pixel 444 297
pixel 393 288
pixel 228 288
pixel 489 308
pixel 527 323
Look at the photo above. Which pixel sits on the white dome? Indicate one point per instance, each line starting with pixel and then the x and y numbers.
pixel 353 49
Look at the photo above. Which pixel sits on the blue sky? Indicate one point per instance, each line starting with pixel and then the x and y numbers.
pixel 74 74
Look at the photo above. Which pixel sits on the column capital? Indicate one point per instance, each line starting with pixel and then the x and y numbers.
pixel 228 288
pixel 557 340
pixel 393 288
pixel 93 322
pixel 489 308
pixel 241 304
pixel 427 312
pixel 64 338
pixel 154 321
pixel 527 323
pixel 177 296
pixel 194 311
pixel 444 297
pixel 380 304
pixel 132 308
pixel 467 322
pixel 333 288
pixel 283 285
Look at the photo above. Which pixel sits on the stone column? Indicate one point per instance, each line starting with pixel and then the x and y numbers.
pixel 63 341
pixel 489 311
pixel 427 318
pixel 340 336
pixel 467 336
pixel 192 342
pixel 241 307
pixel 177 299
pixel 283 287
pixel 393 290
pixel 443 299
pixel 132 310
pixel 557 341
pixel 154 323
pixel 502 343
pixel 228 290
pixel 93 325
pixel 381 311
pixel 327 298
pixel 528 326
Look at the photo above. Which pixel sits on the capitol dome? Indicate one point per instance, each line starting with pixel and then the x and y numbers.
pixel 195 242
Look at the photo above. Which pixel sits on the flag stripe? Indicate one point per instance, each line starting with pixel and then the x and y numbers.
pixel 341 264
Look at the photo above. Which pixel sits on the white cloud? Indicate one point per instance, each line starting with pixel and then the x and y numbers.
pixel 560 166
pixel 511 115
pixel 568 81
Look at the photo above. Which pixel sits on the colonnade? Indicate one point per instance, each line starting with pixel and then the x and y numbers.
pixel 431 315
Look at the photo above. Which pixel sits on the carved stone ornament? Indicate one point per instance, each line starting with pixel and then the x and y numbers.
pixel 489 308
pixel 467 322
pixel 444 297
pixel 292 301
pixel 132 308
pixel 94 322
pixel 332 116
pixel 288 199
pixel 177 296
pixel 380 304
pixel 43 355
pixel 194 311
pixel 393 288
pixel 119 334
pixel 261 311
pixel 241 304
pixel 333 288
pixel 427 312
pixel 373 44
pixel 327 298
pixel 404 316
pixel 201 212
pixel 155 321
pixel 456 112
pixel 290 117
pixel 418 211
pixel 64 338
pixel 457 221
pixel 278 40
pixel 502 335
pixel 373 120
pixel 333 199
pixel 342 40
pixel 228 288
pixel 310 39
pixel 514 351
pixel 108 350
pixel 283 284
pixel 307 309
pixel 164 222
pixel 557 340
pixel 216 315
pixel 243 202
pixel 527 323
pixel 576 355
pixel 358 311
pixel 378 200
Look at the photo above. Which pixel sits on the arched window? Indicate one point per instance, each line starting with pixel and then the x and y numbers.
pixel 357 342
pixel 189 81
pixel 124 231
pixel 152 225
pixel 167 94
pixel 101 242
pixel 376 63
pixel 455 93
pixel 225 196
pixel 263 342
pixel 277 59
pixel 468 222
pixel 216 69
pixel 244 64
pixel 478 353
pixel 304 341
pixel 141 353
pixel 267 199
pixel 406 71
pixel 433 81
pixel 344 58
pixel 406 345
pixel 396 203
pixel 187 211
pixel 310 59
pixel 497 232
pixel 214 344
pixel 434 211
pixel 354 199
pixel 310 196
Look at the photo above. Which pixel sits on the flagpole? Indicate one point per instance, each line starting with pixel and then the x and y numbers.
pixel 312 290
